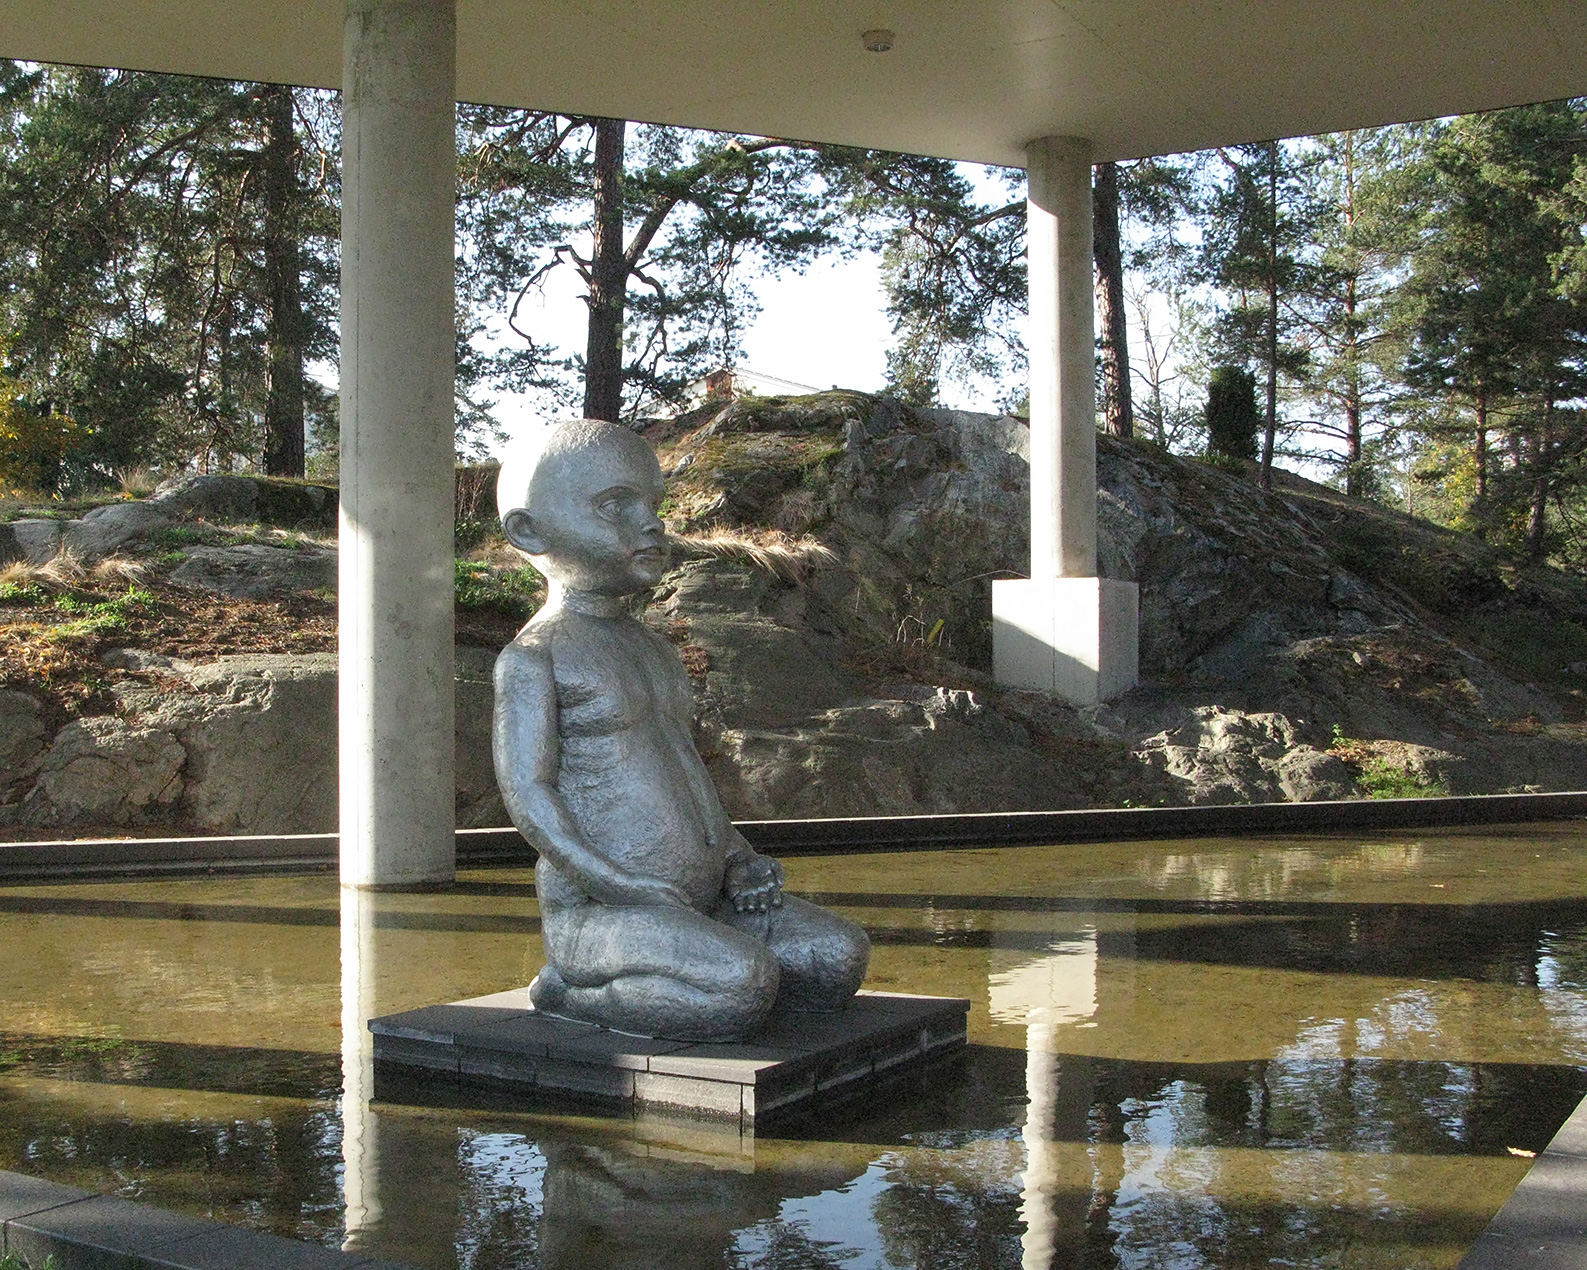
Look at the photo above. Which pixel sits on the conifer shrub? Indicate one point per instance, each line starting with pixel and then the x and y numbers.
pixel 1233 419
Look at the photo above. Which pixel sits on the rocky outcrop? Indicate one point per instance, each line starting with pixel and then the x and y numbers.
pixel 788 729
pixel 254 571
pixel 106 530
pixel 22 733
pixel 240 745
pixel 105 771
pixel 1271 622
pixel 854 681
pixel 1223 756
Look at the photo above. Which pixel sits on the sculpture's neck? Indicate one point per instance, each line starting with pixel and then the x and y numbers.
pixel 586 602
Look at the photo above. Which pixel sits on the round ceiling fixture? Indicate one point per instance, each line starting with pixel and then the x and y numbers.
pixel 878 40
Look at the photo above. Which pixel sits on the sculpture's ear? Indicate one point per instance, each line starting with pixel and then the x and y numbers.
pixel 520 530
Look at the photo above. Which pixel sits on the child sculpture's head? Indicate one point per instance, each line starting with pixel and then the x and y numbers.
pixel 581 502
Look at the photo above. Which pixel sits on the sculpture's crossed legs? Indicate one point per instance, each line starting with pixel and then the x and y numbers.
pixel 677 972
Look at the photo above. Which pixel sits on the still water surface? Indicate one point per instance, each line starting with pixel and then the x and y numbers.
pixel 1296 1052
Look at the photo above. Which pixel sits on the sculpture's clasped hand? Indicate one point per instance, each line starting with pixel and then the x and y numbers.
pixel 754 884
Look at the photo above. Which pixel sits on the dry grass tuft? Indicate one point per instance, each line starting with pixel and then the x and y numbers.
pixel 138 482
pixel 789 558
pixel 64 571
pixel 115 569
pixel 61 571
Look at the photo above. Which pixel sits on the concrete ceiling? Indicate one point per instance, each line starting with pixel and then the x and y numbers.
pixel 966 79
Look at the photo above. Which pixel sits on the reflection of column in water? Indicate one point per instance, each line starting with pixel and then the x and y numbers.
pixel 1046 993
pixel 1041 1096
pixel 360 1154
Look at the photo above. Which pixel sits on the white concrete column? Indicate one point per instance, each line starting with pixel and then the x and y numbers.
pixel 1065 630
pixel 1062 346
pixel 398 352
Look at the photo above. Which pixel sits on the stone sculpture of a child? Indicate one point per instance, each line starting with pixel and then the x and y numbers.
pixel 657 917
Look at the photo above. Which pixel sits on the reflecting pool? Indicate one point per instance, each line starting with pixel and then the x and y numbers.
pixel 1309 1052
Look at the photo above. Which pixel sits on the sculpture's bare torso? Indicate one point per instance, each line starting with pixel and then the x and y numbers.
pixel 629 772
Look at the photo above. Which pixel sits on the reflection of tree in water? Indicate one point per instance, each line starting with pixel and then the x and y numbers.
pixel 270 1174
pixel 1200 1165
pixel 1484 943
pixel 499 1209
pixel 932 1221
pixel 788 1246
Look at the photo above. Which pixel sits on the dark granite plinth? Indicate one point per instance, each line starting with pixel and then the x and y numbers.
pixel 500 1040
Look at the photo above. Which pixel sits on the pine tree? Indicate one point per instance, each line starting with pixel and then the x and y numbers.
pixel 1365 222
pixel 676 219
pixel 1490 324
pixel 1258 219
pixel 163 275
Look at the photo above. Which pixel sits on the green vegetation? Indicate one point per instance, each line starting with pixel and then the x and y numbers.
pixel 174 538
pixel 15 1261
pixel 1381 779
pixel 1448 576
pixel 514 593
pixel 96 618
pixel 1232 417
pixel 22 593
pixel 89 618
pixel 33 443
pixel 1406 304
pixel 1379 775
pixel 1543 644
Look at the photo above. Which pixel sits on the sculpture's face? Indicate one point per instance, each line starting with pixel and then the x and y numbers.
pixel 595 526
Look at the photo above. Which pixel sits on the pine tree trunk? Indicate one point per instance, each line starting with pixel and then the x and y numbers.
pixel 603 356
pixel 1118 411
pixel 1353 447
pixel 1352 396
pixel 1542 458
pixel 1482 446
pixel 1352 355
pixel 283 455
pixel 1270 422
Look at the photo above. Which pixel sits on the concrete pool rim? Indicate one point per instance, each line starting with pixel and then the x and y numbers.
pixel 86 858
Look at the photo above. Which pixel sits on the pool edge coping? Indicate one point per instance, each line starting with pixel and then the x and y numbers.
pixel 1543 1224
pixel 75 858
pixel 38 1221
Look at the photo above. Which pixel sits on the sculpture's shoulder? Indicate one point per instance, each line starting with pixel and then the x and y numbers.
pixel 527 660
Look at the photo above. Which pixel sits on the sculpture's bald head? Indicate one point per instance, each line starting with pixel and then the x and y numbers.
pixel 580 500
pixel 537 466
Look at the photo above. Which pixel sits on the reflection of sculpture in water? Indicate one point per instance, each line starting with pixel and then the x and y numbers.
pixel 657 916
pixel 623 1210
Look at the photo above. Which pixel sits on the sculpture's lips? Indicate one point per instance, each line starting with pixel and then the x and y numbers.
pixel 650 553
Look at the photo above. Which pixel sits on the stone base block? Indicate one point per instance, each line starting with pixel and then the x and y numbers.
pixel 1077 638
pixel 797 1059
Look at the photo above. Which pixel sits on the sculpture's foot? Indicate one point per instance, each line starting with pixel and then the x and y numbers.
pixel 548 992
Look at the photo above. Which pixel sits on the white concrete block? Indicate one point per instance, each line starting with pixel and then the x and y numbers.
pixel 1077 638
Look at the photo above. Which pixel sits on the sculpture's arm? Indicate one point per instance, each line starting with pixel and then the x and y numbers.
pixel 525 746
